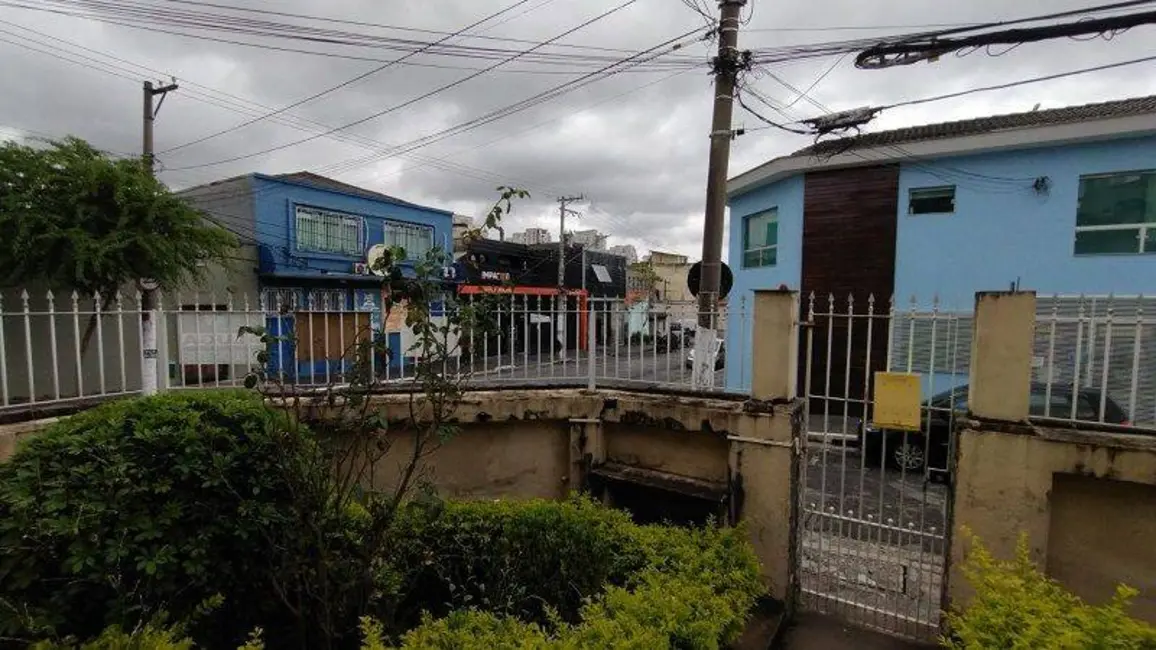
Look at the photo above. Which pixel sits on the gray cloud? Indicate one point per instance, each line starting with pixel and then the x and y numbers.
pixel 635 144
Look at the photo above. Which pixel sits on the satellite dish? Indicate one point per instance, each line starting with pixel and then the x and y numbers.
pixel 373 258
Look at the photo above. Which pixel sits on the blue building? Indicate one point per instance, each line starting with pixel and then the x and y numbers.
pixel 1057 201
pixel 306 238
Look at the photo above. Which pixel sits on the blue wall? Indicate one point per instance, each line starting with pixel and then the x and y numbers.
pixel 275 202
pixel 787 195
pixel 1001 231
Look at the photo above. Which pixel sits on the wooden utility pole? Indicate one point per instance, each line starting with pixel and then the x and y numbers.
pixel 726 68
pixel 147 286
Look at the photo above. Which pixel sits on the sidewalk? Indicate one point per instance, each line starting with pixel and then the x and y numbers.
pixel 818 632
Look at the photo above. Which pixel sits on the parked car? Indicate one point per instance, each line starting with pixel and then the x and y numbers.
pixel 913 451
pixel 719 361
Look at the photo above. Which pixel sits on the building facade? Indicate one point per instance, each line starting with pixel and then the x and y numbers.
pixel 591 239
pixel 624 250
pixel 1058 201
pixel 310 236
pixel 531 236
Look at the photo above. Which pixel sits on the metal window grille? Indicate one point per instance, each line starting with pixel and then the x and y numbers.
pixel 328 232
pixel 417 240
pixel 931 200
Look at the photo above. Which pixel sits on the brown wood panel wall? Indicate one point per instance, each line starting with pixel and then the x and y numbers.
pixel 849 228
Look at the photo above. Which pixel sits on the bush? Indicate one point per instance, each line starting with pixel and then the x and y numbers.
pixel 648 586
pixel 139 506
pixel 508 557
pixel 1019 608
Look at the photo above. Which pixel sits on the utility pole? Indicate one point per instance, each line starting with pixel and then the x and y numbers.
pixel 149 371
pixel 561 322
pixel 726 65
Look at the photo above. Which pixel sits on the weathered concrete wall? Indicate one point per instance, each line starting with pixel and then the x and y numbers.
pixel 529 459
pixel 1084 498
pixel 1103 532
pixel 546 443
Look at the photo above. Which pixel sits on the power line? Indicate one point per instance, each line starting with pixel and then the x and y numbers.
pixel 1021 82
pixel 417 99
pixel 347 82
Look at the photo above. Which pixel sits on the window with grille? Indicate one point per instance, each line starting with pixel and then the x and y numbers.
pixel 322 231
pixel 417 240
pixel 1116 213
pixel 761 239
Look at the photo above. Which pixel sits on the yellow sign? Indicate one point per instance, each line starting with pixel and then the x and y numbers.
pixel 897 401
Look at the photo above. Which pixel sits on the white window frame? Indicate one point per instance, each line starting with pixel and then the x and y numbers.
pixel 1142 229
pixel 412 228
pixel 912 193
pixel 759 249
pixel 331 232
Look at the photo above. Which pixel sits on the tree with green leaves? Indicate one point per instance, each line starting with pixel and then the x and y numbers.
pixel 75 219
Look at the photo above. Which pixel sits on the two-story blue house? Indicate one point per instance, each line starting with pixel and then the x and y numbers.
pixel 306 237
pixel 1057 201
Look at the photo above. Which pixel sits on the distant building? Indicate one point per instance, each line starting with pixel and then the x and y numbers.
pixel 624 250
pixel 461 225
pixel 670 287
pixel 531 237
pixel 591 239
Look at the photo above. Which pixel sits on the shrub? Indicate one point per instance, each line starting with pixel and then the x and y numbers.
pixel 139 506
pixel 648 586
pixel 1019 608
pixel 510 557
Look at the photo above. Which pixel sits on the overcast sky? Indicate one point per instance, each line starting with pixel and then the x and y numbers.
pixel 635 145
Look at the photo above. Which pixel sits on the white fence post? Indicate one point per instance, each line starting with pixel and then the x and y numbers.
pixel 590 343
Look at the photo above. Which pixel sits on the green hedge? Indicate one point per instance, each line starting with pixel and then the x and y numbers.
pixel 142 505
pixel 1017 607
pixel 661 586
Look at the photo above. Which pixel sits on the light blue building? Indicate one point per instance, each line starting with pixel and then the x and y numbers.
pixel 1057 201
pixel 305 238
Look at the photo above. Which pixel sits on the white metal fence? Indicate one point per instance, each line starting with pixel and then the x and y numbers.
pixel 73 349
pixel 873 534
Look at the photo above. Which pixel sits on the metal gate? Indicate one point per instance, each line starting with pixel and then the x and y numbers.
pixel 874 504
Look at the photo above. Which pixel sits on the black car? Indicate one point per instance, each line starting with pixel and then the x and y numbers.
pixel 913 451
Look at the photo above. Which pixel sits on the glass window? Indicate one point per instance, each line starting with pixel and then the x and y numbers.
pixel 1059 406
pixel 328 232
pixel 761 239
pixel 1116 213
pixel 931 200
pixel 417 240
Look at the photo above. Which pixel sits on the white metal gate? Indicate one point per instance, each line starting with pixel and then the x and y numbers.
pixel 874 504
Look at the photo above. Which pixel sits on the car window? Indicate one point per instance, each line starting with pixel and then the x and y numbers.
pixel 1058 406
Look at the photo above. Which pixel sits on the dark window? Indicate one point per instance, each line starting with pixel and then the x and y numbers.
pixel 931 200
pixel 1116 213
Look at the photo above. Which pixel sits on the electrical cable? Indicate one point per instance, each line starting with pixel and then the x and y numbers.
pixel 1021 82
pixel 414 100
pixel 344 84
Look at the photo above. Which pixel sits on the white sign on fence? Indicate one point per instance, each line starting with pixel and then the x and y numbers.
pixel 211 338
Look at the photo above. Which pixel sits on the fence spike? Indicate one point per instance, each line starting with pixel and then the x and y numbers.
pixel 75 300
pixel 51 300
pixel 229 301
pixel 24 298
pixel 119 301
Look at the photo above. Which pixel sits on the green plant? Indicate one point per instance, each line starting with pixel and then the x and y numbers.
pixel 646 586
pixel 142 505
pixel 328 576
pixel 1017 607
pixel 75 219
pixel 147 637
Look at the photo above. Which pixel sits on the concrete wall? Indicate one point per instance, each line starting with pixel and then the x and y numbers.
pixel 1003 230
pixel 787 196
pixel 1086 500
pixel 548 443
